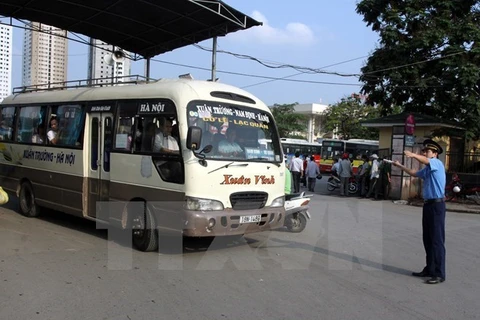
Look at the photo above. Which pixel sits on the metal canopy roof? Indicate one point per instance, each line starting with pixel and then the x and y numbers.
pixel 421 120
pixel 143 27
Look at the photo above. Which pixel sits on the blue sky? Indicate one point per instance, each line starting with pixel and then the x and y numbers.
pixel 308 33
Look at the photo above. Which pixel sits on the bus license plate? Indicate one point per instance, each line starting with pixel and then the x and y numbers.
pixel 250 219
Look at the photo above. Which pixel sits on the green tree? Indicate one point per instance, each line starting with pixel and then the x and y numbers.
pixel 345 116
pixel 287 120
pixel 428 58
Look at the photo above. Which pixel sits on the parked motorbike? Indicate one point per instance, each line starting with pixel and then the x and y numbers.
pixel 296 210
pixel 334 183
pixel 457 190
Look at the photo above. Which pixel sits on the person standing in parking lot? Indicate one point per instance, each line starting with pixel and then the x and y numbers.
pixel 296 167
pixel 288 179
pixel 433 215
pixel 374 175
pixel 311 174
pixel 345 173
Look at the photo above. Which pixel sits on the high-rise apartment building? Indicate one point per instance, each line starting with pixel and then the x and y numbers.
pixel 6 39
pixel 45 55
pixel 98 68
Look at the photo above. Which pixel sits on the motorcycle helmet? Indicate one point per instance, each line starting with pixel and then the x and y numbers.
pixel 456 189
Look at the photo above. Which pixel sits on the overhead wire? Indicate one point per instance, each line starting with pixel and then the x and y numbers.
pixel 280 65
pixel 308 70
pixel 300 73
pixel 275 78
pixel 256 76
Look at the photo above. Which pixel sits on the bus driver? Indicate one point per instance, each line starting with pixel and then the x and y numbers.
pixel 228 147
pixel 164 142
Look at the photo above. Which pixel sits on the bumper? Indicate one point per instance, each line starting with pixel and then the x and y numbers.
pixel 227 222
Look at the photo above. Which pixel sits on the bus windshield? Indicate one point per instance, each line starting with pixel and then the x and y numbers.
pixel 332 149
pixel 235 132
pixel 357 149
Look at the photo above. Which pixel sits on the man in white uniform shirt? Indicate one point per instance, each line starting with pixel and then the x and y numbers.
pixel 296 167
pixel 164 142
pixel 374 175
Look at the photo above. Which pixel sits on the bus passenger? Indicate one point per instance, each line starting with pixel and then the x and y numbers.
pixel 216 139
pixel 5 131
pixel 164 142
pixel 228 147
pixel 54 133
pixel 40 135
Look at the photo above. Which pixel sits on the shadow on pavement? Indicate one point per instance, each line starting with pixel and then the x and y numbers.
pixel 343 256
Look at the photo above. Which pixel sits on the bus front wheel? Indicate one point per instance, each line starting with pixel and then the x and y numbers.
pixel 27 203
pixel 144 231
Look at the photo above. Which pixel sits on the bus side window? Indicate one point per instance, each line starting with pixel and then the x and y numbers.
pixel 170 170
pixel 7 122
pixel 129 129
pixel 74 124
pixel 70 121
pixel 30 125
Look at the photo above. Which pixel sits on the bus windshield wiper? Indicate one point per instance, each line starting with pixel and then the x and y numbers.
pixel 228 165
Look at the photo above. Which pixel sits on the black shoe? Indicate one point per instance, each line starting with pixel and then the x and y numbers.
pixel 435 280
pixel 423 273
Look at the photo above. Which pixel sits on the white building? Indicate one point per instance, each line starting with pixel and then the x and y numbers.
pixel 6 39
pixel 116 72
pixel 314 112
pixel 45 55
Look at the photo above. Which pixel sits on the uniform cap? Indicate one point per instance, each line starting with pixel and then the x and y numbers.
pixel 432 145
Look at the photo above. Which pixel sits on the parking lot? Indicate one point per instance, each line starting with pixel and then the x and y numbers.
pixel 353 260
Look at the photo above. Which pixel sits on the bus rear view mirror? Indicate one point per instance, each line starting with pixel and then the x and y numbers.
pixel 194 138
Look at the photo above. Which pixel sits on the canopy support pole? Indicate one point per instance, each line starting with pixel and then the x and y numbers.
pixel 214 59
pixel 147 69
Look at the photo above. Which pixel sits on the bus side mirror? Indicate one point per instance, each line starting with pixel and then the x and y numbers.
pixel 194 138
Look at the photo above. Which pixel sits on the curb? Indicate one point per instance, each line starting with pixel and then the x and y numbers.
pixel 469 211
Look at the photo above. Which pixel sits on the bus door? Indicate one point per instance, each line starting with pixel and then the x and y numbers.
pixel 100 145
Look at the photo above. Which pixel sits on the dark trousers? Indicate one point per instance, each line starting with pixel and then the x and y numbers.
pixel 311 184
pixel 433 225
pixel 296 181
pixel 344 186
pixel 372 188
pixel 363 185
pixel 385 187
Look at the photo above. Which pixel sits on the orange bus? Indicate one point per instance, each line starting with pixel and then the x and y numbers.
pixel 334 148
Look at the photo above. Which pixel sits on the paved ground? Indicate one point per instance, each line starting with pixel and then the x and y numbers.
pixel 352 262
pixel 463 206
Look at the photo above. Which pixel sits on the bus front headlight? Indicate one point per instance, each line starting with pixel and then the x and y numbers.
pixel 197 204
pixel 278 202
